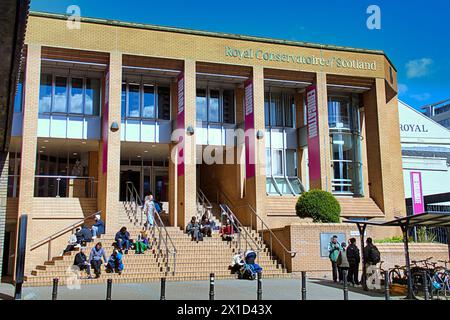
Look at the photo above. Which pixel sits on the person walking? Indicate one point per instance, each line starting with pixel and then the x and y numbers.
pixel 342 262
pixel 372 258
pixel 149 210
pixel 333 252
pixel 354 258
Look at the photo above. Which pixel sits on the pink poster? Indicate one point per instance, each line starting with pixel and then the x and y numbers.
pixel 416 193
pixel 313 134
pixel 105 125
pixel 180 124
pixel 249 130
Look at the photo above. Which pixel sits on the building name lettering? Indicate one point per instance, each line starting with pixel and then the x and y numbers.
pixel 413 128
pixel 251 54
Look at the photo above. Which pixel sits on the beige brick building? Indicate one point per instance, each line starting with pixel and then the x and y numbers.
pixel 173 111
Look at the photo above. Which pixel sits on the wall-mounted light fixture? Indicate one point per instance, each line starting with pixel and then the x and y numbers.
pixel 190 130
pixel 259 134
pixel 114 127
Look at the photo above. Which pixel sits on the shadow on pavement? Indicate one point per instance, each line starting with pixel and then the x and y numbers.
pixel 359 290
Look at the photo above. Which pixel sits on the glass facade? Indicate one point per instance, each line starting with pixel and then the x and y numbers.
pixel 281 160
pixel 215 105
pixel 345 139
pixel 69 95
pixel 145 101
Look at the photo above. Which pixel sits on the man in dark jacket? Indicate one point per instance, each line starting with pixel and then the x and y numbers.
pixel 353 258
pixel 85 234
pixel 81 262
pixel 123 239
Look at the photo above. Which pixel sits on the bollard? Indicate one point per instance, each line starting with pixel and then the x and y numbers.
pixel 259 287
pixel 426 294
pixel 303 285
pixel 387 293
pixel 344 275
pixel 108 289
pixel 211 286
pixel 163 289
pixel 55 289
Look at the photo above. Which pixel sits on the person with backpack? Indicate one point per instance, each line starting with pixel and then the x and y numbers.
pixel 372 258
pixel 149 210
pixel 333 253
pixel 354 259
pixel 342 262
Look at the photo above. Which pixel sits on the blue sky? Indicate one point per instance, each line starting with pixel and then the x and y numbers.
pixel 414 33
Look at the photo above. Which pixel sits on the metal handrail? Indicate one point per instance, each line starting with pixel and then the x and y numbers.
pixel 59 178
pixel 239 226
pixel 204 202
pixel 134 200
pixel 272 235
pixel 60 233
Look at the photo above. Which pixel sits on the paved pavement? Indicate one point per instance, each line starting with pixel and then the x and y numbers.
pixel 273 289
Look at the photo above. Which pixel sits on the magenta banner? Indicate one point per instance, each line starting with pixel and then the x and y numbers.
pixel 249 130
pixel 105 124
pixel 313 134
pixel 416 193
pixel 180 125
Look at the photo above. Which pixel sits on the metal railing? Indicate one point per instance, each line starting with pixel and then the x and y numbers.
pixel 242 231
pixel 60 186
pixel 48 240
pixel 203 201
pixel 264 228
pixel 165 245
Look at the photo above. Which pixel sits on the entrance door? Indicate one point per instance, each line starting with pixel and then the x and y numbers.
pixel 129 175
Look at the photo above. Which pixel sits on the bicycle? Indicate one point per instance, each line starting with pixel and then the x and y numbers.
pixel 441 280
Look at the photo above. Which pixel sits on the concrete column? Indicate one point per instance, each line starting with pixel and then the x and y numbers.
pixel 187 183
pixel 29 133
pixel 325 152
pixel 112 188
pixel 255 188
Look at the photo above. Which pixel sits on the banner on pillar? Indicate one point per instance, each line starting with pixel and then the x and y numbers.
pixel 249 130
pixel 180 125
pixel 416 193
pixel 313 133
pixel 105 124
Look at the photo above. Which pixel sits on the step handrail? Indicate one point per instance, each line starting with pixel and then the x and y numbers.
pixel 204 201
pixel 60 233
pixel 170 248
pixel 264 226
pixel 240 227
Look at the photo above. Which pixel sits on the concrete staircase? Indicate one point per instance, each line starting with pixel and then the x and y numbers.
pixel 194 261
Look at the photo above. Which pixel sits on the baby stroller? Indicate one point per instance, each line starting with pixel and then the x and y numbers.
pixel 250 269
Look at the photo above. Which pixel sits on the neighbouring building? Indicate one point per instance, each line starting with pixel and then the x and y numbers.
pixel 251 122
pixel 439 112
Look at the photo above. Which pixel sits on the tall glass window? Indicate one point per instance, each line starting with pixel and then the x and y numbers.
pixel 148 101
pixel 279 108
pixel 215 105
pixel 70 95
pixel 18 99
pixel 45 93
pixel 345 139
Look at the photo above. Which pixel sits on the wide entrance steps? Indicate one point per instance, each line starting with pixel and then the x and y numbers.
pixel 194 261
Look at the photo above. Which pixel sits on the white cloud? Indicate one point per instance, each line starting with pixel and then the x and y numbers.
pixel 402 88
pixel 421 97
pixel 418 68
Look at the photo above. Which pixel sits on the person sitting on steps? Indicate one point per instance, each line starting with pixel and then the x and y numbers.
pixel 84 235
pixel 73 242
pixel 98 228
pixel 237 262
pixel 95 259
pixel 142 242
pixel 123 240
pixel 193 229
pixel 81 262
pixel 227 231
pixel 115 263
pixel 206 227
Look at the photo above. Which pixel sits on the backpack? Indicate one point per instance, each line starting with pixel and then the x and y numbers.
pixel 374 255
pixel 157 207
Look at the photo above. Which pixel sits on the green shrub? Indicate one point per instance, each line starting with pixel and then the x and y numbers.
pixel 319 205
pixel 390 240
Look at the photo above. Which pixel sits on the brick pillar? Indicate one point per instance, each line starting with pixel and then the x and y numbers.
pixel 4 165
pixel 112 183
pixel 325 152
pixel 29 133
pixel 187 183
pixel 384 157
pixel 255 188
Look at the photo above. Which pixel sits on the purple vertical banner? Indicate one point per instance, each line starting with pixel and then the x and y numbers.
pixel 313 134
pixel 105 124
pixel 249 130
pixel 180 124
pixel 417 193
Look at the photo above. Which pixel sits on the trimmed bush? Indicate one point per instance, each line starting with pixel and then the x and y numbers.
pixel 319 205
